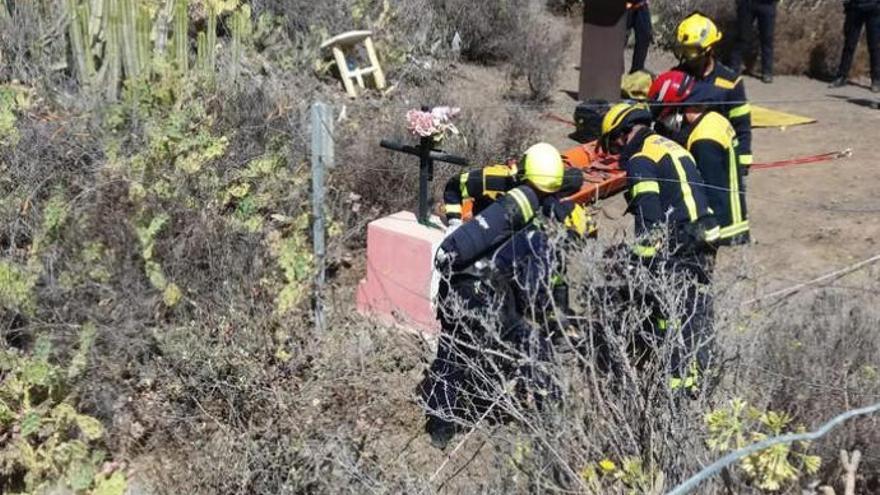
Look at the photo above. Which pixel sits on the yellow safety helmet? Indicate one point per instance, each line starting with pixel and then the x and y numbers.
pixel 542 166
pixel 622 117
pixel 696 35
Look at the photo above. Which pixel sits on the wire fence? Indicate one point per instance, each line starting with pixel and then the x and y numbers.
pixel 836 99
pixel 691 484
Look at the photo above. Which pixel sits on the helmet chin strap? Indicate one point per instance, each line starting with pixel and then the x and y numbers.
pixel 672 123
pixel 699 65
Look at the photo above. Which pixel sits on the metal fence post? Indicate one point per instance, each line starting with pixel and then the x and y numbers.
pixel 322 158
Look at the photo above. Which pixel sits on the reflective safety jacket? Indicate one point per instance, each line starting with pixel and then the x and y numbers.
pixel 482 185
pixel 665 188
pixel 485 185
pixel 491 227
pixel 504 247
pixel 730 101
pixel 712 142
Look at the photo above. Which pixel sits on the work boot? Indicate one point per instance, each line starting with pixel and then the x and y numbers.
pixel 838 83
pixel 875 87
pixel 441 432
pixel 767 78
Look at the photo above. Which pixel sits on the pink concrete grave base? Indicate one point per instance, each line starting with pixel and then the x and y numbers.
pixel 400 258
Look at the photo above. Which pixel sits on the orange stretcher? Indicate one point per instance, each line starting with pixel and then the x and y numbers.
pixel 603 176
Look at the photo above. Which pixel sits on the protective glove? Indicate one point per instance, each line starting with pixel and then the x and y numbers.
pixel 453 224
pixel 559 210
pixel 442 259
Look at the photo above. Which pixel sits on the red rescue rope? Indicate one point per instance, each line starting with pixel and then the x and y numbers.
pixel 824 157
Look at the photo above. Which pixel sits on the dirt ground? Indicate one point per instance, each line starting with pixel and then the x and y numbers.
pixel 806 220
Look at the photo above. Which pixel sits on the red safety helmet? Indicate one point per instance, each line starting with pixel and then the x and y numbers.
pixel 669 90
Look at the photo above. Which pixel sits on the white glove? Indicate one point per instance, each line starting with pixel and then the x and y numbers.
pixel 454 223
pixel 441 257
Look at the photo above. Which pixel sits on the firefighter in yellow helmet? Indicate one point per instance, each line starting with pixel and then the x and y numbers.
pixel 499 267
pixel 697 37
pixel 674 225
pixel 540 166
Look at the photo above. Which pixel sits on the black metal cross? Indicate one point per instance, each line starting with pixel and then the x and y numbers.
pixel 427 156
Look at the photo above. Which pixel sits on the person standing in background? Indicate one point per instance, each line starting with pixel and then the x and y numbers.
pixel 747 12
pixel 859 12
pixel 698 37
pixel 638 19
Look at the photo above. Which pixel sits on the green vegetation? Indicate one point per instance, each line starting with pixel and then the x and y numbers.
pixel 738 425
pixel 46 441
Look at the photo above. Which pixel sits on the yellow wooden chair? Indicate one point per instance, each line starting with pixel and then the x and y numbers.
pixel 346 42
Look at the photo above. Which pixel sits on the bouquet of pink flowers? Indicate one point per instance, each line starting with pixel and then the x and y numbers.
pixel 437 123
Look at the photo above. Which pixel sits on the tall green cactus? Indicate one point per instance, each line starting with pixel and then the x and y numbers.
pixel 211 40
pixel 131 53
pixel 201 52
pixel 180 36
pixel 111 66
pixel 241 28
pixel 206 43
pixel 115 39
pixel 159 33
pixel 144 26
pixel 80 41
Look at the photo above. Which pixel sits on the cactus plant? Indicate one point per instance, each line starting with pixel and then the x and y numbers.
pixel 116 40
pixel 160 30
pixel 111 66
pixel 211 40
pixel 241 28
pixel 201 52
pixel 80 40
pixel 127 34
pixel 180 36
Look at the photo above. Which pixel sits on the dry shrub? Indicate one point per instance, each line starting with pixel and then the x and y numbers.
pixel 493 135
pixel 815 356
pixel 809 41
pixel 490 31
pixel 539 59
pixel 31 43
pixel 562 7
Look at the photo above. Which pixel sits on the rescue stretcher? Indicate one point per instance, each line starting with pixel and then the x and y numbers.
pixel 603 176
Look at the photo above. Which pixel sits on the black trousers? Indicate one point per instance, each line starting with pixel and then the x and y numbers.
pixel 747 12
pixel 693 330
pixel 639 20
pixel 463 377
pixel 852 30
pixel 695 270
